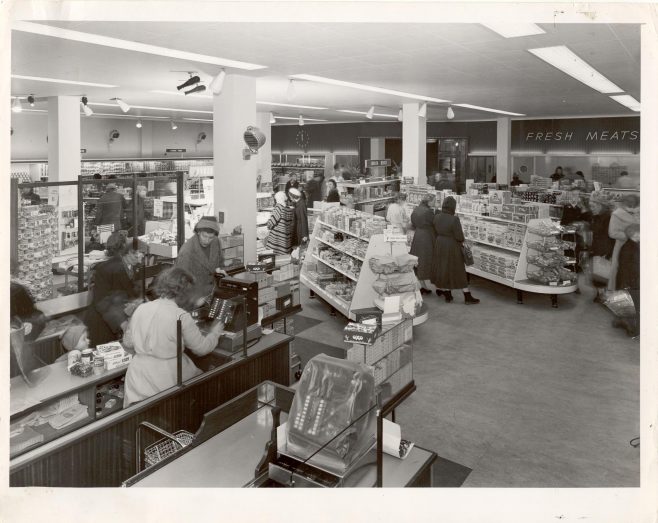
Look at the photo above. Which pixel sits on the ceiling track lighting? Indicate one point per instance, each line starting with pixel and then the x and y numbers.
pixel 450 114
pixel 272 118
pixel 198 89
pixel 173 126
pixel 30 100
pixel 217 83
pixel 16 106
pixel 301 120
pixel 371 112
pixel 290 93
pixel 123 105
pixel 138 124
pixel 192 80
pixel 422 112
pixel 85 108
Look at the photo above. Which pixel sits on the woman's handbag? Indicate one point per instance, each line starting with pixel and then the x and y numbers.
pixel 467 254
pixel 601 268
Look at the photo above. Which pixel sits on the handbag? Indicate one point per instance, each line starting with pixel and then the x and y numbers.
pixel 601 268
pixel 467 254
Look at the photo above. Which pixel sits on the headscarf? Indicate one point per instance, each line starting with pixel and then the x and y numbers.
pixel 280 198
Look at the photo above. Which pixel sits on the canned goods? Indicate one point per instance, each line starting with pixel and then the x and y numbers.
pixel 99 364
pixel 87 356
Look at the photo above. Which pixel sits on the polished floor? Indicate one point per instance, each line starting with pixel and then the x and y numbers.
pixel 524 395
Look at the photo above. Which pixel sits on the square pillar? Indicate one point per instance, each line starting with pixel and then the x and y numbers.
pixel 414 143
pixel 503 150
pixel 234 109
pixel 64 148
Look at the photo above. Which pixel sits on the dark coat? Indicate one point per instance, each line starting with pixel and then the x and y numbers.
pixel 112 289
pixel 313 191
pixel 300 223
pixel 200 262
pixel 602 244
pixel 449 271
pixel 110 209
pixel 628 275
pixel 422 245
pixel 333 196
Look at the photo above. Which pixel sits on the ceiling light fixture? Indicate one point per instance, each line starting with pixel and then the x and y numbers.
pixel 128 116
pixel 364 87
pixel 173 125
pixel 85 108
pixel 218 82
pixel 297 119
pixel 192 80
pixel 515 29
pixel 290 93
pixel 123 105
pixel 272 119
pixel 450 114
pixel 198 119
pixel 277 104
pixel 301 120
pixel 422 112
pixel 479 108
pixel 176 93
pixel 138 124
pixel 400 116
pixel 117 43
pixel 16 106
pixel 362 112
pixel 370 112
pixel 198 89
pixel 628 101
pixel 155 108
pixel 58 81
pixel 30 100
pixel 562 58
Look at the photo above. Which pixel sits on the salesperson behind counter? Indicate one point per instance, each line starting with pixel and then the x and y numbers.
pixel 152 332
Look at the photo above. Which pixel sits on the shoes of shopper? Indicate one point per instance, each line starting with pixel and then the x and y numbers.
pixel 423 290
pixel 446 294
pixel 469 300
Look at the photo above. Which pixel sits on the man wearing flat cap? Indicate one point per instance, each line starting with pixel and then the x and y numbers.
pixel 201 254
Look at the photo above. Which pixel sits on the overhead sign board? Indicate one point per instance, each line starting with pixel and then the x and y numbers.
pixel 378 163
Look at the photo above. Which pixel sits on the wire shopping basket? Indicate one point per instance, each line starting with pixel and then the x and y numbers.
pixel 165 447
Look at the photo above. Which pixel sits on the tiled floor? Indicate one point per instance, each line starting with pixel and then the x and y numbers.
pixel 525 395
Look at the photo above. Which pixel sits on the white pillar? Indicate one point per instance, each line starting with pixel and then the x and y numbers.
pixel 378 152
pixel 414 143
pixel 235 178
pixel 146 139
pixel 64 147
pixel 503 150
pixel 264 158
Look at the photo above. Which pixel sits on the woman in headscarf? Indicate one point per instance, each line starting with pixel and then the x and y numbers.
pixel 449 270
pixel 422 245
pixel 201 255
pixel 280 225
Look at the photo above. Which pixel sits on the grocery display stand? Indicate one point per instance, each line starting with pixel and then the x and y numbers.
pixel 375 194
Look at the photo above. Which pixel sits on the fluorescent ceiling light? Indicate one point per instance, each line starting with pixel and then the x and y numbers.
pixel 131 116
pixel 488 109
pixel 514 29
pixel 193 95
pixel 628 101
pixel 363 112
pixel 198 119
pixel 67 34
pixel 364 87
pixel 35 111
pixel 58 81
pixel 292 105
pixel 562 58
pixel 154 108
pixel 297 118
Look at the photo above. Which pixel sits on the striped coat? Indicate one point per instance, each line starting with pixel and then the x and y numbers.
pixel 280 225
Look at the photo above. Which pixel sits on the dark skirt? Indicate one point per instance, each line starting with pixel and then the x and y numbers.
pixel 423 247
pixel 449 271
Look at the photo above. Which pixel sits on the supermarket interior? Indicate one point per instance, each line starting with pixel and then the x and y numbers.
pixel 322 249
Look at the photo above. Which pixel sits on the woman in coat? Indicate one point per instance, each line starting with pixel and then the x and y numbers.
pixel 626 214
pixel 332 192
pixel 201 255
pixel 422 245
pixel 280 225
pixel 153 331
pixel 112 289
pixel 449 270
pixel 300 221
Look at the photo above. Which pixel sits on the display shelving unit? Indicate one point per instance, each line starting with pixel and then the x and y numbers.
pixel 375 193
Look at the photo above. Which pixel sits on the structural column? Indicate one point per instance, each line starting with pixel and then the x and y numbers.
pixel 235 178
pixel 264 158
pixel 503 150
pixel 64 148
pixel 414 143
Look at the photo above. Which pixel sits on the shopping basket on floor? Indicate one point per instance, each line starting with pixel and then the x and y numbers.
pixel 620 303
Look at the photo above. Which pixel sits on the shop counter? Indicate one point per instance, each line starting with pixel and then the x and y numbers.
pixel 101 453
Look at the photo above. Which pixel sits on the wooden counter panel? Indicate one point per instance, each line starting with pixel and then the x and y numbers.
pixel 106 457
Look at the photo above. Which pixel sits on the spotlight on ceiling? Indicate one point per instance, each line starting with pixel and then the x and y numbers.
pixel 123 105
pixel 272 119
pixel 16 105
pixel 290 94
pixel 301 120
pixel 138 124
pixel 30 100
pixel 192 80
pixel 87 110
pixel 218 82
pixel 371 112
pixel 400 116
pixel 198 89
pixel 173 126
pixel 422 112
pixel 450 114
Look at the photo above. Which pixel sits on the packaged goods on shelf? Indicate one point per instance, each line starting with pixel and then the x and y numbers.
pixel 545 254
pixel 361 224
pixel 37 244
pixel 495 262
